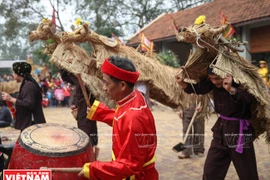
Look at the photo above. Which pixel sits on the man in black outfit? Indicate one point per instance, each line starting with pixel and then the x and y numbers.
pixel 89 127
pixel 233 134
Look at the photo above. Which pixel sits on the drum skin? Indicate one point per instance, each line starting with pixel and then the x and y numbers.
pixel 52 146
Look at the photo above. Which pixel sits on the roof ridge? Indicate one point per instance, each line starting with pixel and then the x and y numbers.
pixel 140 30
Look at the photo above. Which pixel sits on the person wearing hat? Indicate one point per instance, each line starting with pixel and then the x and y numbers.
pixel 134 138
pixel 28 104
pixel 263 71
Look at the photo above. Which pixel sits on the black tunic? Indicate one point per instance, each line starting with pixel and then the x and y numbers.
pixel 226 133
pixel 86 125
pixel 28 106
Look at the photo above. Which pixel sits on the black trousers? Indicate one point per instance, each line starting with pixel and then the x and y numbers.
pixel 222 152
pixel 86 125
pixel 90 128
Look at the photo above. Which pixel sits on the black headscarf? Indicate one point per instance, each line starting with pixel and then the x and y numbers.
pixel 24 69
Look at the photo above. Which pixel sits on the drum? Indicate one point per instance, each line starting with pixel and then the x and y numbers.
pixel 52 146
pixel 8 138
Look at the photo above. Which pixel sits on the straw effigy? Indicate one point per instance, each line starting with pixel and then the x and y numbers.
pixel 73 58
pixel 159 77
pixel 10 87
pixel 45 32
pixel 210 47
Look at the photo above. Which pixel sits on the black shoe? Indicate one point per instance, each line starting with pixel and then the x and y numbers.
pixel 178 147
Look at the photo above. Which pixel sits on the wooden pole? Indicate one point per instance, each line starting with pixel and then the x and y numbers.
pixel 64 170
pixel 83 90
pixel 191 122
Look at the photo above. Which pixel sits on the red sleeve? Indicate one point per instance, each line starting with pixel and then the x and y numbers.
pixel 102 113
pixel 137 150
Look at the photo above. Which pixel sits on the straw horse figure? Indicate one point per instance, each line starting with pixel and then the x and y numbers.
pixel 46 31
pixel 210 48
pixel 69 55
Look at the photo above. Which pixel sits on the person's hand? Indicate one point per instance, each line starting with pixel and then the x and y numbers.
pixel 88 110
pixel 227 82
pixel 199 108
pixel 180 81
pixel 81 173
pixel 6 97
pixel 73 107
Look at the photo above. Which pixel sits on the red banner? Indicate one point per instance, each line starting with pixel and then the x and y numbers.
pixel 175 27
pixel 54 19
pixel 11 109
pixel 146 44
pixel 230 30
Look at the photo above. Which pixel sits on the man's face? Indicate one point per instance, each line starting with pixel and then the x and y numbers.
pixel 216 80
pixel 113 89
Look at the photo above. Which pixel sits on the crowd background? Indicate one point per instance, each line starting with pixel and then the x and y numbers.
pixel 55 91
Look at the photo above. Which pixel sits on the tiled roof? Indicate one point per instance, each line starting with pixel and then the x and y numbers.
pixel 237 12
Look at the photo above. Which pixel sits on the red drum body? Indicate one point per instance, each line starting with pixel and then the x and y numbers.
pixel 52 146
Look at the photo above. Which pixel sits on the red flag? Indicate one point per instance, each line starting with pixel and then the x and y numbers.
pixel 175 27
pixel 146 44
pixel 54 19
pixel 12 109
pixel 230 30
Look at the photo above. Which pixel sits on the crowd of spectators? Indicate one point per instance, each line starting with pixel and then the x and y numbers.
pixel 6 78
pixel 56 92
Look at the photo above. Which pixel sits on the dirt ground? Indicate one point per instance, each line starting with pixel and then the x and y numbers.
pixel 169 133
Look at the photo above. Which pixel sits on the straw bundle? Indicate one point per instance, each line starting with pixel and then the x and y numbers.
pixel 71 57
pixel 95 86
pixel 74 59
pixel 159 77
pixel 196 66
pixel 246 74
pixel 10 87
pixel 210 47
pixel 46 31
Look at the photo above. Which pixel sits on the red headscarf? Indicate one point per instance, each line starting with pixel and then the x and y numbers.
pixel 114 71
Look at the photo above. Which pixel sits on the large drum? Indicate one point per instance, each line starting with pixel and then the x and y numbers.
pixel 52 146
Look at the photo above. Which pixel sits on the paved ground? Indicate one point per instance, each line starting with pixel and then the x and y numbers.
pixel 169 130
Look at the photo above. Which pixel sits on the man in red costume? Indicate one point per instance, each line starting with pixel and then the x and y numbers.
pixel 134 138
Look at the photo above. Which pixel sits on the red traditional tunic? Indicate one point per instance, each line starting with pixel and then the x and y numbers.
pixel 133 141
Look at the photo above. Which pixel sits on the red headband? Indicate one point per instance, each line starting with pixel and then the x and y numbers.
pixel 114 71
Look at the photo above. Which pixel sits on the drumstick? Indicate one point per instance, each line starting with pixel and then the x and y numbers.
pixel 83 90
pixel 65 170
